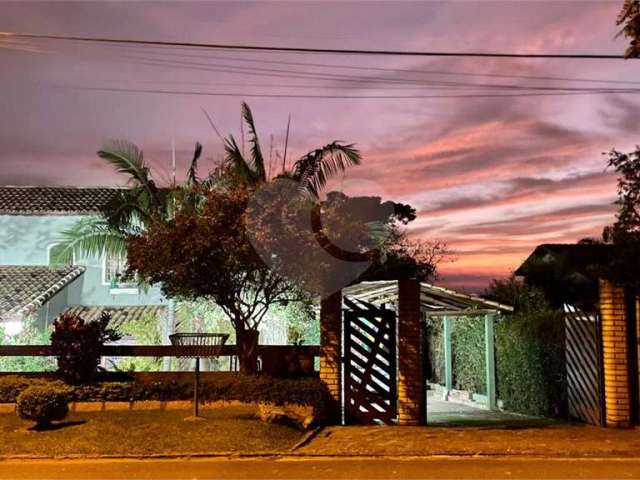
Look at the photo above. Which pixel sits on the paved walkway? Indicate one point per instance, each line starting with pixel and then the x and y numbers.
pixel 441 413
pixel 553 440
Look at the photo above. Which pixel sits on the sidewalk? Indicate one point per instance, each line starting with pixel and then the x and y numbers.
pixel 557 440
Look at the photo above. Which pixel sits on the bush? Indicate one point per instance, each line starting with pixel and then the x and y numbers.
pixel 43 405
pixel 530 362
pixel 467 338
pixel 435 350
pixel 251 389
pixel 77 345
pixel 30 335
pixel 13 385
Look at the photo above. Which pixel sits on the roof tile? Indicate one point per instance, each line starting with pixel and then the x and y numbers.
pixel 27 288
pixel 54 200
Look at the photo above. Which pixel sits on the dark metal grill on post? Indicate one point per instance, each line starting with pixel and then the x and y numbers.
pixel 199 345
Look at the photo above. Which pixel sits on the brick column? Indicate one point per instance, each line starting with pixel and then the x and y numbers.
pixel 617 392
pixel 411 389
pixel 331 349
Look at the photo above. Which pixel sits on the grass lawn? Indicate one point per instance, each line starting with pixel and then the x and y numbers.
pixel 143 432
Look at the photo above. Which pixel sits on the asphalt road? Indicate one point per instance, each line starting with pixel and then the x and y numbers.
pixel 321 468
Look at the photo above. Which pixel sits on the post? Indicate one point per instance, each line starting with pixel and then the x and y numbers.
pixel 196 388
pixel 448 356
pixel 490 361
pixel 170 328
pixel 617 388
pixel 411 381
pixel 331 350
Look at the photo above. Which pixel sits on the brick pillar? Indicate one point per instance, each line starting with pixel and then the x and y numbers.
pixel 411 389
pixel 617 392
pixel 331 349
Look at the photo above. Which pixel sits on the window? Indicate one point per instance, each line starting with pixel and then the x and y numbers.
pixel 55 255
pixel 113 271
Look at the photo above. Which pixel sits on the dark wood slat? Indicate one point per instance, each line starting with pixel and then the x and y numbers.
pixel 369 362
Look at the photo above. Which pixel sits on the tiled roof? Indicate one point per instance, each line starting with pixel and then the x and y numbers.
pixel 53 200
pixel 27 288
pixel 577 255
pixel 118 314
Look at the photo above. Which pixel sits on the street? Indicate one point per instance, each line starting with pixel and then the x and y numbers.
pixel 317 468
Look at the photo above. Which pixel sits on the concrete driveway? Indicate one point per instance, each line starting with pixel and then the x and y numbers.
pixel 441 413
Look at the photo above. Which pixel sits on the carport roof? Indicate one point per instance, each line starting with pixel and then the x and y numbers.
pixel 434 300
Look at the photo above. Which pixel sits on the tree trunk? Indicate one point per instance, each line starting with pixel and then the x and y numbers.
pixel 247 342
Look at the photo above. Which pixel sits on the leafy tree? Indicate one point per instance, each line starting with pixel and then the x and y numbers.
pixel 627 165
pixel 524 298
pixel 624 234
pixel 208 255
pixel 629 19
pixel 142 199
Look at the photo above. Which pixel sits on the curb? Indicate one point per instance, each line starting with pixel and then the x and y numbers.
pixel 106 405
pixel 302 456
pixel 306 438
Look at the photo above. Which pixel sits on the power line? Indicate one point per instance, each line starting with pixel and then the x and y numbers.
pixel 398 70
pixel 418 83
pixel 369 97
pixel 333 51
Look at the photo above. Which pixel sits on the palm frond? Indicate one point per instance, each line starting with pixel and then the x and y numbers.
pixel 128 159
pixel 192 173
pixel 127 209
pixel 316 167
pixel 257 159
pixel 91 237
pixel 237 162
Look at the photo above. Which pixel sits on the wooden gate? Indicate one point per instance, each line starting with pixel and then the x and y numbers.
pixel 370 391
pixel 584 365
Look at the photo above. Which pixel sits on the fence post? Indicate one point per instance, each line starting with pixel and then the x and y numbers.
pixel 448 356
pixel 490 361
pixel 411 383
pixel 331 349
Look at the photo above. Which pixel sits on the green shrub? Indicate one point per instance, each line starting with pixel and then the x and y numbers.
pixel 43 405
pixel 435 350
pixel 252 389
pixel 530 362
pixel 468 348
pixel 30 335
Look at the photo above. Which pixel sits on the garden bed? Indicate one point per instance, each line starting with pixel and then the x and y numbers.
pixel 227 430
pixel 250 389
pixel 296 402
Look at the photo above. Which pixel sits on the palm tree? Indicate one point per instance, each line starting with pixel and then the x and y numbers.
pixel 142 200
pixel 311 171
pixel 129 208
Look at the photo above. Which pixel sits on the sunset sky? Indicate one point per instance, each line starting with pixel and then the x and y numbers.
pixel 491 175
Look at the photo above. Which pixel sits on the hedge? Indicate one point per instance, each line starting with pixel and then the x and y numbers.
pixel 435 350
pixel 305 391
pixel 468 352
pixel 530 360
pixel 530 363
pixel 467 339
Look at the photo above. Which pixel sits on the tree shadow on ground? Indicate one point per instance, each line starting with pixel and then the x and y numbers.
pixel 56 426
